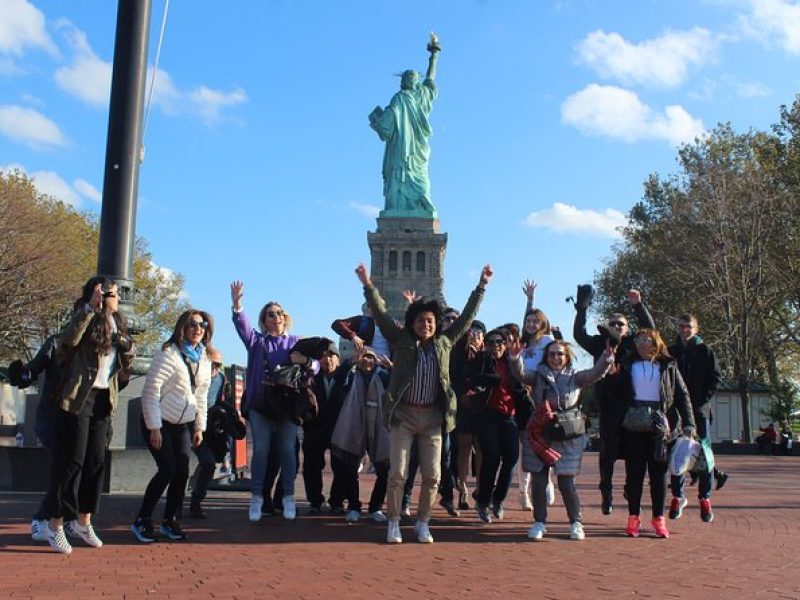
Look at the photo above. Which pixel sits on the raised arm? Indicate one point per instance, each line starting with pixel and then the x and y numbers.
pixel 434 48
pixel 462 324
pixel 643 317
pixel 240 320
pixel 377 305
pixel 529 289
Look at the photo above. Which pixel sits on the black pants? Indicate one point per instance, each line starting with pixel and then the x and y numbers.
pixel 610 432
pixel 639 458
pixel 498 437
pixel 315 442
pixel 348 474
pixel 79 457
pixel 172 460
pixel 204 473
pixel 338 493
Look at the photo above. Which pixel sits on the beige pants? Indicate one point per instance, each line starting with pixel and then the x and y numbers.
pixel 424 424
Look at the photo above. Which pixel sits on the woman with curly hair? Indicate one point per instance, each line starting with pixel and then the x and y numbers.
pixel 419 402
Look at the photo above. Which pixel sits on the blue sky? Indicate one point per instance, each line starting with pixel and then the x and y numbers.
pixel 260 164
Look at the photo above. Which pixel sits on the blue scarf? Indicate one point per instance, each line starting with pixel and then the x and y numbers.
pixel 193 353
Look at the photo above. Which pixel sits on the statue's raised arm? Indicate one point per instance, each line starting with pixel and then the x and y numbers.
pixel 434 48
pixel 405 127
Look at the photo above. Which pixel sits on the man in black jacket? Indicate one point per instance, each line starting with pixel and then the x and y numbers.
pixel 606 391
pixel 699 369
pixel 317 431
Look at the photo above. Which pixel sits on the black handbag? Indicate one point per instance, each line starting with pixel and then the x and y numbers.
pixel 567 424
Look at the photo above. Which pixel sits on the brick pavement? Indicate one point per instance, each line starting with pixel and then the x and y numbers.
pixel 751 550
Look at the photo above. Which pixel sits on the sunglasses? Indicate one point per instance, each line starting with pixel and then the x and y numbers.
pixel 643 341
pixel 450 318
pixel 109 295
pixel 496 341
pixel 274 314
pixel 556 354
pixel 197 324
pixel 617 323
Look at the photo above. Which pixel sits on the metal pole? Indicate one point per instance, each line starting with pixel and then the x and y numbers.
pixel 124 149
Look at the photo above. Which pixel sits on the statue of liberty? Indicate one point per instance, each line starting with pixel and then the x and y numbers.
pixel 405 127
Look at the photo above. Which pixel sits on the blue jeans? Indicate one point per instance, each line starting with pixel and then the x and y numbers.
pixel 284 434
pixel 704 479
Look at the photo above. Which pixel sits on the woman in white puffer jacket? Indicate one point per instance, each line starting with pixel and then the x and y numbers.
pixel 174 418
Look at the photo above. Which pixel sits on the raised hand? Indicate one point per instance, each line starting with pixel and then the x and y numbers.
pixel 529 289
pixel 363 276
pixel 96 301
pixel 486 274
pixel 237 292
pixel 358 343
pixel 411 296
pixel 634 297
pixel 384 361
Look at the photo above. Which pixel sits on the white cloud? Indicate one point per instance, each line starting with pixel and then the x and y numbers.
pixel 52 184
pixel 659 62
pixel 773 22
pixel 30 127
pixel 752 89
pixel 88 78
pixel 366 210
pixel 618 113
pixel 207 104
pixel 565 218
pixel 87 190
pixel 22 26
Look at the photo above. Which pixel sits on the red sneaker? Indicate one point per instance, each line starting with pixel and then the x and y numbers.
pixel 632 530
pixel 660 527
pixel 705 510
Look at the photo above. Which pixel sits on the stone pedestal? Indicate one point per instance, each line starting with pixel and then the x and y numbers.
pixel 407 253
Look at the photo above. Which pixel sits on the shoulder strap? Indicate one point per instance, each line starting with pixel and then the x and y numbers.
pixel 189 368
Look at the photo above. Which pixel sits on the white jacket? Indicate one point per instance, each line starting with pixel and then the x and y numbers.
pixel 167 394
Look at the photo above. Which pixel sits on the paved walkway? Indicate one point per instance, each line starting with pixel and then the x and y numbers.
pixel 751 550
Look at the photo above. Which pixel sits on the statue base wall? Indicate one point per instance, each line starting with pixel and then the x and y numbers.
pixel 407 253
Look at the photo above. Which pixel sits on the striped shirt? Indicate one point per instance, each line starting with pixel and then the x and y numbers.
pixel 422 389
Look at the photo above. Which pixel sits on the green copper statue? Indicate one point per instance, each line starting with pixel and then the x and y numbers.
pixel 405 127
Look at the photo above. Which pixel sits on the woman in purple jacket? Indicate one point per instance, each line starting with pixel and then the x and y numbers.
pixel 267 349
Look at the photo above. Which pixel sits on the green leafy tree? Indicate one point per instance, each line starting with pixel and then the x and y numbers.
pixel 707 240
pixel 48 249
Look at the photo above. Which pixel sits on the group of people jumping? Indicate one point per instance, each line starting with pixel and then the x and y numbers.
pixel 436 392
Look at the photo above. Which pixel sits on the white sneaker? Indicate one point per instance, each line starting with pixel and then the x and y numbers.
pixel 85 532
pixel 39 530
pixel 378 516
pixel 289 508
pixel 256 502
pixel 550 493
pixel 537 531
pixel 352 516
pixel 525 500
pixel 576 531
pixel 58 540
pixel 393 535
pixel 423 532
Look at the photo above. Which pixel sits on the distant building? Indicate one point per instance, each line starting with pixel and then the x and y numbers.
pixel 727 410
